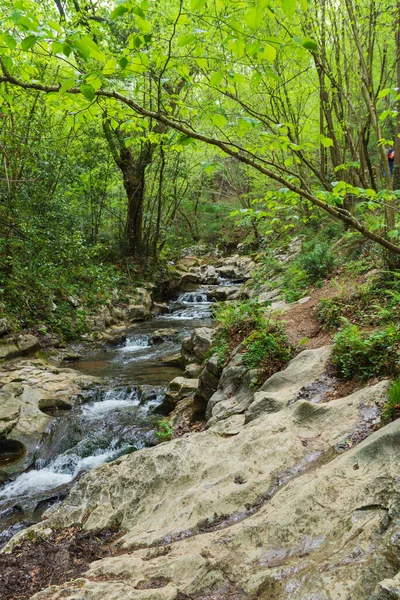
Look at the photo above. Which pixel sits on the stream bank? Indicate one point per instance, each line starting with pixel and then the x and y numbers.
pixel 104 405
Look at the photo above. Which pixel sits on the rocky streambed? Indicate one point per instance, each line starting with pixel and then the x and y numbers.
pixel 282 495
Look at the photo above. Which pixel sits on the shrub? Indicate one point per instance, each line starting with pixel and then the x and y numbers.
pixel 392 406
pixel 267 349
pixel 236 321
pixel 294 283
pixel 319 263
pixel 164 430
pixel 363 355
pixel 265 343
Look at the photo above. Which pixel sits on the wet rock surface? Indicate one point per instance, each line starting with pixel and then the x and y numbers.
pixel 281 507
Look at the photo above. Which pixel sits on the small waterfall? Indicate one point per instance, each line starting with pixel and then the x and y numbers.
pixel 96 432
pixel 136 342
pixel 191 305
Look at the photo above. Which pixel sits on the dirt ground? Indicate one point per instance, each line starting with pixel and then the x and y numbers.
pixel 301 321
pixel 40 563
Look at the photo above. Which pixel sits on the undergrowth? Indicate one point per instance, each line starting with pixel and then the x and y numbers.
pixel 262 342
pixel 366 354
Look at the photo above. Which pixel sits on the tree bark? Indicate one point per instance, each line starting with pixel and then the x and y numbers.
pixel 396 166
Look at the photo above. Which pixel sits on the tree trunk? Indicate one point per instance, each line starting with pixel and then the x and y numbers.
pixel 396 166
pixel 134 176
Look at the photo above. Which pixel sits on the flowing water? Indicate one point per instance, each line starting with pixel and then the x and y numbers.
pixel 114 419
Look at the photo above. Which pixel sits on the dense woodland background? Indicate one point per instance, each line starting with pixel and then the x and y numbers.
pixel 132 131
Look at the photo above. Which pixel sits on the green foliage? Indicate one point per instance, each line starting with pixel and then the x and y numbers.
pixel 376 302
pixel 392 406
pixel 164 430
pixel 365 355
pixel 267 349
pixel 318 263
pixel 264 343
pixel 294 283
pixel 236 321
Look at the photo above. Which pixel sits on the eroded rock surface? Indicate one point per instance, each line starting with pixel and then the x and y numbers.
pixel 32 391
pixel 301 502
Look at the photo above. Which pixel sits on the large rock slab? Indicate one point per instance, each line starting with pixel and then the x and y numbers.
pixel 282 387
pixel 275 510
pixel 18 345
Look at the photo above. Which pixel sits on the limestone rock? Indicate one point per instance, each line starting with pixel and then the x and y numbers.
pixel 5 326
pixel 269 508
pixel 209 380
pixel 236 267
pixel 281 388
pixel 195 348
pixel 18 345
pixel 178 389
pixel 192 370
pixel 235 390
pixel 225 292
pixel 33 391
pixel 164 335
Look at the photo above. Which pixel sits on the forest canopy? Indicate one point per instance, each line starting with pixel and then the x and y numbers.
pixel 133 129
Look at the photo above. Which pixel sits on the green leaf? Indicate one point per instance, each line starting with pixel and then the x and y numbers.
pixel 384 93
pixel 88 91
pixel 9 41
pixel 57 48
pixel 269 53
pixel 310 44
pixel 67 85
pixel 326 142
pixel 197 4
pixel 216 78
pixel 118 12
pixel 237 47
pixel 219 120
pixel 289 7
pixel 123 62
pixel 185 40
pixel 253 17
pixel 55 26
pixel 28 42
pixel 95 82
pixel 143 25
pixel 67 49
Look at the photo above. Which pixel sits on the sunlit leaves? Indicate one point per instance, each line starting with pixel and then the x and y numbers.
pixel 28 42
pixel 118 11
pixel 88 91
pixel 289 7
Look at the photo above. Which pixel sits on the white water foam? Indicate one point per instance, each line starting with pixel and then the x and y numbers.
pixel 135 343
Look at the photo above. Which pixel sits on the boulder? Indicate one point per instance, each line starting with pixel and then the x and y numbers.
pixel 225 292
pixel 189 261
pixel 18 345
pixel 173 360
pixel 280 389
pixel 138 312
pixel 178 389
pixel 235 390
pixel 164 335
pixel 5 326
pixel 195 347
pixel 160 308
pixel 192 371
pixel 236 268
pixel 268 510
pixel 209 380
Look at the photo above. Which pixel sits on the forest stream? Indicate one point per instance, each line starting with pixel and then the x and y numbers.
pixel 113 419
